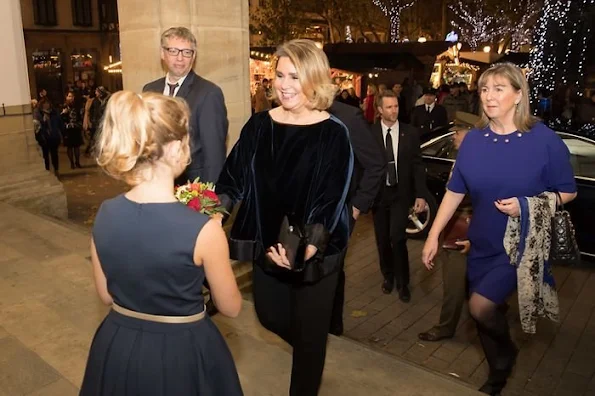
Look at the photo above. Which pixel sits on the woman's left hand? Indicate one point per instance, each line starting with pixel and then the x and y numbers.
pixel 509 206
pixel 278 256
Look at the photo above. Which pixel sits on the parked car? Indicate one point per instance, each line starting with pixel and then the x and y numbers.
pixel 439 154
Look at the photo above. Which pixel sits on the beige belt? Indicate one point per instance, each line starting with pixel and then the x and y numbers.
pixel 158 318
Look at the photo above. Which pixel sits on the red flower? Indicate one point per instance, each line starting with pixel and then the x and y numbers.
pixel 210 195
pixel 194 204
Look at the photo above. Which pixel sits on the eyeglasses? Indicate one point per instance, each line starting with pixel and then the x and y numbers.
pixel 186 53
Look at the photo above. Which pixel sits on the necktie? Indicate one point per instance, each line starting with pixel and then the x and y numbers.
pixel 390 154
pixel 428 109
pixel 172 88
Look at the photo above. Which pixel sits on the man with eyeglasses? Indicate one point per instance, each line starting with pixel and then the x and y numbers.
pixel 208 114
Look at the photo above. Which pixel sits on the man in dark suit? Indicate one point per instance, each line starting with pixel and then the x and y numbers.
pixel 368 174
pixel 403 187
pixel 429 115
pixel 208 115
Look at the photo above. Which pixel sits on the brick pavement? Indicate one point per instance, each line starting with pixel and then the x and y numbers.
pixel 558 360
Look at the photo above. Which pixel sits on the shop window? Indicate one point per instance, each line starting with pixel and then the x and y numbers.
pixel 47 67
pixel 44 12
pixel 84 64
pixel 81 13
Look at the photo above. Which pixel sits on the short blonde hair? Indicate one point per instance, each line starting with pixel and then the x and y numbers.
pixel 523 119
pixel 313 71
pixel 178 32
pixel 135 130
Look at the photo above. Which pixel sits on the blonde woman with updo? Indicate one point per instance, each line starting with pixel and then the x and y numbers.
pixel 291 171
pixel 150 256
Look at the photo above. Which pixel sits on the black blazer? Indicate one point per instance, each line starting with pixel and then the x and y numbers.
pixel 369 170
pixel 427 122
pixel 411 172
pixel 208 125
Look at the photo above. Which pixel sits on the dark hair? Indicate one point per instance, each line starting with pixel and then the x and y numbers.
pixel 265 80
pixel 387 93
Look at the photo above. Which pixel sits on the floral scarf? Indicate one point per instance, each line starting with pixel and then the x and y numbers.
pixel 527 243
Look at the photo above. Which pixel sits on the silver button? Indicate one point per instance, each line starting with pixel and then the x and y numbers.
pixel 506 140
pixel 519 134
pixel 495 140
pixel 487 134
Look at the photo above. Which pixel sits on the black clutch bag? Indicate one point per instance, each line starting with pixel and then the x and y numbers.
pixel 292 238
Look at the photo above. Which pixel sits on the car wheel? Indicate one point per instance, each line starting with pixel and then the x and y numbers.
pixel 419 224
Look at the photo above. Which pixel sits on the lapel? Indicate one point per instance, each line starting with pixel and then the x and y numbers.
pixel 402 149
pixel 186 87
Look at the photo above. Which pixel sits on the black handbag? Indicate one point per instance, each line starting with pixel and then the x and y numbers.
pixel 292 237
pixel 563 249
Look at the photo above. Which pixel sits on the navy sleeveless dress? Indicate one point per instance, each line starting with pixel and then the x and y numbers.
pixel 146 252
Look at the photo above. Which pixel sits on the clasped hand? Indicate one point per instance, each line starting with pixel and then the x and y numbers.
pixel 509 206
pixel 278 255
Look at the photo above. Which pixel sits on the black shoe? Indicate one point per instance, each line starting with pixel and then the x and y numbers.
pixel 78 165
pixel 492 389
pixel 404 294
pixel 72 165
pixel 387 286
pixel 211 308
pixel 434 334
pixel 337 330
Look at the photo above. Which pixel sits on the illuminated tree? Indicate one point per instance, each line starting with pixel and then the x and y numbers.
pixel 477 23
pixel 392 9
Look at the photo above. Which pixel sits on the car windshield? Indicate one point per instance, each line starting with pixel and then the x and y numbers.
pixel 441 147
pixel 582 155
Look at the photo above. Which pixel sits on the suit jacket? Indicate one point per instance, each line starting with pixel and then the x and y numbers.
pixel 369 170
pixel 208 125
pixel 426 122
pixel 411 172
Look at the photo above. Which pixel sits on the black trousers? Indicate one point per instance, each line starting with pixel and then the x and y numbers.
pixel 50 152
pixel 300 314
pixel 390 224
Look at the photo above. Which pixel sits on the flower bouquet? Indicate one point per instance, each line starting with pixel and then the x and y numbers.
pixel 200 197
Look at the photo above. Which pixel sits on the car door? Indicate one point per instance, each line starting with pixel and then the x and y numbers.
pixel 582 209
pixel 438 155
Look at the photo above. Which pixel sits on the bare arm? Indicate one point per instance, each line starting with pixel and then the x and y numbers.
pixel 212 252
pixel 449 205
pixel 567 197
pixel 100 280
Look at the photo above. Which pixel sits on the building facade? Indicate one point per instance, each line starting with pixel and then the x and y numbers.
pixel 71 40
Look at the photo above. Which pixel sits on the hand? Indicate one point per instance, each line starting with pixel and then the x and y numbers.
pixel 420 205
pixel 429 252
pixel 509 206
pixel 356 212
pixel 278 256
pixel 310 252
pixel 218 217
pixel 65 110
pixel 466 246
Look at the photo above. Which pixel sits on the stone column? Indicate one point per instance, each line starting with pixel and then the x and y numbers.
pixel 221 28
pixel 23 179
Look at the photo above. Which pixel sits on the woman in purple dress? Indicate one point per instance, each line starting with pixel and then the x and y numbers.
pixel 510 154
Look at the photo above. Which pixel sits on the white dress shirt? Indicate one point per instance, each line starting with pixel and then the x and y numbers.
pixel 394 134
pixel 167 81
pixel 429 108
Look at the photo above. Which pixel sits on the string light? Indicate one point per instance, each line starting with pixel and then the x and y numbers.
pixel 348 36
pixel 392 9
pixel 558 32
pixel 521 29
pixel 477 26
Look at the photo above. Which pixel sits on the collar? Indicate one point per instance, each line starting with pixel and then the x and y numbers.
pixel 384 127
pixel 180 81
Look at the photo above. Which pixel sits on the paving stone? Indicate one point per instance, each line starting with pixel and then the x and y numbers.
pixel 58 388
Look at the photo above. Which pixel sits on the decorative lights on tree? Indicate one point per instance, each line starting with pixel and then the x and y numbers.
pixel 562 37
pixel 348 36
pixel 392 9
pixel 477 25
pixel 521 15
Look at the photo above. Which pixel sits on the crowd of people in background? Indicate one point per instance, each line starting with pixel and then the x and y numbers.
pixel 70 123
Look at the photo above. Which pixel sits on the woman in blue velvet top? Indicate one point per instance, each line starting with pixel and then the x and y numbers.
pixel 510 154
pixel 294 160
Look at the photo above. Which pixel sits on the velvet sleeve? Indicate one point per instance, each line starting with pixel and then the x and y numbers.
pixel 330 185
pixel 232 180
pixel 457 182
